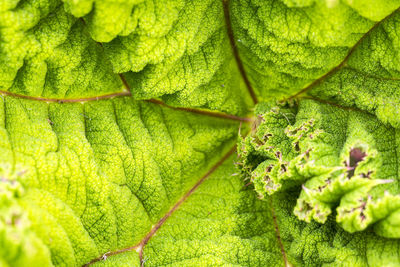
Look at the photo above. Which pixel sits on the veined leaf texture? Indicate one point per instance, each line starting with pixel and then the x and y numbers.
pixel 199 133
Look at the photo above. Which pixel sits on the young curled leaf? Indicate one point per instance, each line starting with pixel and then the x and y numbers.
pixel 335 156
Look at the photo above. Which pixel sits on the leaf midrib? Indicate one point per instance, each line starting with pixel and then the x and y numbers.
pixel 140 246
pixel 203 112
pixel 235 52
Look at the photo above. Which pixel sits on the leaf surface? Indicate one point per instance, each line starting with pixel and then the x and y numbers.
pixel 96 176
pixel 118 121
pixel 309 48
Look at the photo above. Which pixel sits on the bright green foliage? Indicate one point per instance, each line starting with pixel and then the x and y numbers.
pixel 20 246
pixel 313 244
pixel 98 175
pixel 334 166
pixel 46 52
pixel 180 52
pixel 107 19
pixel 369 79
pixel 174 49
pixel 91 180
pixel 221 224
pixel 341 158
pixel 286 48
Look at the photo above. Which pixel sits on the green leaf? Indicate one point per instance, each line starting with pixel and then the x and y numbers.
pixel 331 159
pixel 340 158
pixel 97 175
pixel 220 224
pixel 313 244
pixel 337 170
pixel 177 50
pixel 345 53
pixel 45 52
pixel 119 118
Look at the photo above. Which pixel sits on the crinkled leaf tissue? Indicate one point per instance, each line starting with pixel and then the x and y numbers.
pixel 199 133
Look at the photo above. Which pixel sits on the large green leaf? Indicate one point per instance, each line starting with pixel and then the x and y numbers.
pixel 119 118
pixel 341 158
pixel 96 176
pixel 330 154
pixel 220 224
